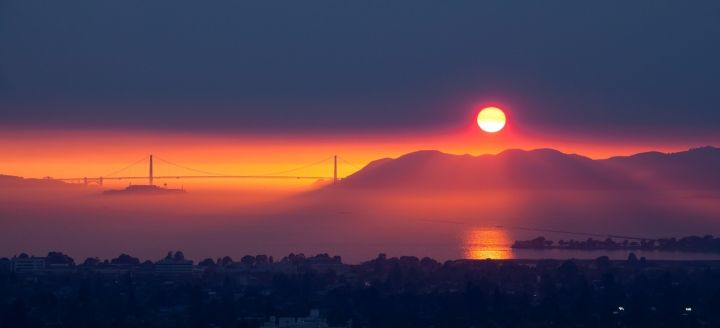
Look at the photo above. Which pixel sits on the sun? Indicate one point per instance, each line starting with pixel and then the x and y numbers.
pixel 491 119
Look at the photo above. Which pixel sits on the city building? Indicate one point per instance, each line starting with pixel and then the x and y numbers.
pixel 25 264
pixel 174 264
pixel 314 320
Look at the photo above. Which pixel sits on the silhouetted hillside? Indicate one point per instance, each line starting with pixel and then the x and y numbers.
pixel 541 169
pixel 10 181
pixel 696 168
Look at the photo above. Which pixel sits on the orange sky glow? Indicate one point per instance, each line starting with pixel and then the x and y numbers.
pixel 56 153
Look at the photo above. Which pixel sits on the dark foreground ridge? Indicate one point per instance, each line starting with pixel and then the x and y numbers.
pixel 321 291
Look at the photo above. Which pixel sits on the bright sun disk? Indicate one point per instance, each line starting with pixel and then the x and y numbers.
pixel 491 119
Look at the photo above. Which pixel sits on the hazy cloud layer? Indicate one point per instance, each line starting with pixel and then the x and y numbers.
pixel 360 66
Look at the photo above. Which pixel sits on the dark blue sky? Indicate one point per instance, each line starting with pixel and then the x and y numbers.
pixel 360 66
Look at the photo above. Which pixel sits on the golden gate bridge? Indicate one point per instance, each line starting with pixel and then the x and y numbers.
pixel 202 174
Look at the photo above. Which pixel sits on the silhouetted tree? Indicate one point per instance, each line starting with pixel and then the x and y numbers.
pixel 125 259
pixel 59 258
pixel 208 262
pixel 91 261
pixel 179 256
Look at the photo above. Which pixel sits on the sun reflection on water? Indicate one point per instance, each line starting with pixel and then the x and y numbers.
pixel 487 243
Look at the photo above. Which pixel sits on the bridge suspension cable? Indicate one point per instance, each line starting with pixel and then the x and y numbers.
pixel 189 168
pixel 349 163
pixel 284 174
pixel 277 173
pixel 126 167
pixel 299 168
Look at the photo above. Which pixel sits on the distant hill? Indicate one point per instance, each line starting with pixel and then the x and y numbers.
pixel 697 168
pixel 429 170
pixel 11 181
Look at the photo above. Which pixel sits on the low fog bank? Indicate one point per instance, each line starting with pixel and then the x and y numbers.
pixel 84 222
pixel 354 224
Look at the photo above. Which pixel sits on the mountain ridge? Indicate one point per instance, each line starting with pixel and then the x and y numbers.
pixel 541 168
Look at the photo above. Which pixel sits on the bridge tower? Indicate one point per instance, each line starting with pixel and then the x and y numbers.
pixel 150 177
pixel 334 169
